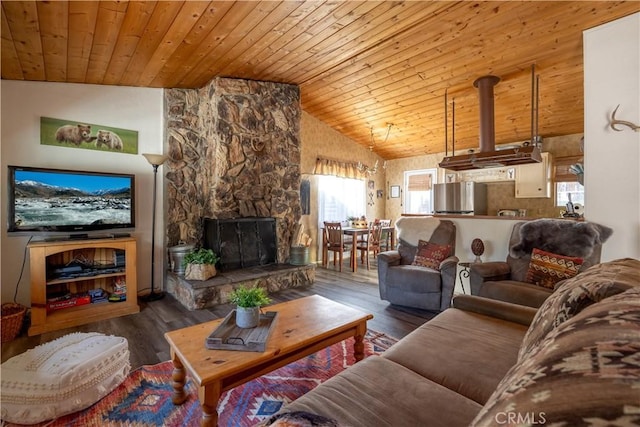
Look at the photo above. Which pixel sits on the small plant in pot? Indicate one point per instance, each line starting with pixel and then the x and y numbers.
pixel 248 302
pixel 200 264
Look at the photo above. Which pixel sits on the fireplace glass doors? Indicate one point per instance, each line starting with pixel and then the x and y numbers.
pixel 242 242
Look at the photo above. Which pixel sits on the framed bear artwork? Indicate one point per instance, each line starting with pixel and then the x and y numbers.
pixel 90 136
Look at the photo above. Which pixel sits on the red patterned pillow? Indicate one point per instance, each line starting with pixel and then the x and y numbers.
pixel 546 268
pixel 431 254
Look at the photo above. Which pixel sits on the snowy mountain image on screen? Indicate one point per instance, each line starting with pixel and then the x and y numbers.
pixel 41 205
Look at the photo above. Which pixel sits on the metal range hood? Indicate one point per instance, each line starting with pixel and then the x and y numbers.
pixel 492 159
pixel 488 156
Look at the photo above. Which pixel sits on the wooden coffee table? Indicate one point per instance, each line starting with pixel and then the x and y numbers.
pixel 302 327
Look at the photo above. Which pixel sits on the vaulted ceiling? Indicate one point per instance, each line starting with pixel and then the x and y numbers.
pixel 360 65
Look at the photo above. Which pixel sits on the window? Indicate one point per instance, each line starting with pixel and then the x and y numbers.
pixel 564 189
pixel 418 196
pixel 339 198
pixel 566 182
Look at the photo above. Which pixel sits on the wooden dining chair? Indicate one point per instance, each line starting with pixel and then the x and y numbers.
pixel 372 244
pixel 334 241
pixel 385 240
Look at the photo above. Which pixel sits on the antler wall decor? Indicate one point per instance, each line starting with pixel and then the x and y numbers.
pixel 615 122
pixel 366 169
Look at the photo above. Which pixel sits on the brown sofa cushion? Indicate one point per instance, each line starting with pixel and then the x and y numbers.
pixel 515 292
pixel 585 372
pixel 379 392
pixel 573 295
pixel 467 352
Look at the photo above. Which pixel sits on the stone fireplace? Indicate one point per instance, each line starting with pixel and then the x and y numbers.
pixel 234 153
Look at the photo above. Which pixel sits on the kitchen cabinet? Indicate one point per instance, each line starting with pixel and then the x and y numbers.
pixel 534 180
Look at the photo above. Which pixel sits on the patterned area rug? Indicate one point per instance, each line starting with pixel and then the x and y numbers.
pixel 144 398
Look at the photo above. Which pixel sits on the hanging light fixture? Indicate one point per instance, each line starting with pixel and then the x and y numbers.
pixel 366 169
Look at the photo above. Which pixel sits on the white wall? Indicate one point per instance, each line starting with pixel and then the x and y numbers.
pixel 495 234
pixel 612 159
pixel 141 109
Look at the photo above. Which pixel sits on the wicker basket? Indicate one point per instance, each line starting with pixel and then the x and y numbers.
pixel 359 224
pixel 200 271
pixel 12 318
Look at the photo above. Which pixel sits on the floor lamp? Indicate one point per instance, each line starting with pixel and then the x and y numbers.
pixel 155 160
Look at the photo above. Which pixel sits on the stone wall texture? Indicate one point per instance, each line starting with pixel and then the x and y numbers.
pixel 234 152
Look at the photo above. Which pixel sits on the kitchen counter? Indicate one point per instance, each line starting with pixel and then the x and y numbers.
pixel 519 218
pixel 510 218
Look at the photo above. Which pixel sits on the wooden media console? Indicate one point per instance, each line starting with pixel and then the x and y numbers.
pixel 64 272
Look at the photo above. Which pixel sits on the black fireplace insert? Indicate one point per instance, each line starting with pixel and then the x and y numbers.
pixel 242 242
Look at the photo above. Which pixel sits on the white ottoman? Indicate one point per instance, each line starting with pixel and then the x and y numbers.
pixel 61 376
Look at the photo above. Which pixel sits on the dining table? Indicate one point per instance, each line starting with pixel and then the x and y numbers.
pixel 355 233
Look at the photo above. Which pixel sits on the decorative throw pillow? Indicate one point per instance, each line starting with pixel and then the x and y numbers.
pixel 595 284
pixel 431 254
pixel 546 268
pixel 585 372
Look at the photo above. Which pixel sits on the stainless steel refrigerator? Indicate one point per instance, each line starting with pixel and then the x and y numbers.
pixel 466 198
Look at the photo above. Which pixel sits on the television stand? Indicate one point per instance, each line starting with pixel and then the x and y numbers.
pixel 63 297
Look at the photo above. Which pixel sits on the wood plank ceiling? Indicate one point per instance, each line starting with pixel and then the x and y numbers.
pixel 360 65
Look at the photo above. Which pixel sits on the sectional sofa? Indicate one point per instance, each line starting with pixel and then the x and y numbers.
pixel 485 362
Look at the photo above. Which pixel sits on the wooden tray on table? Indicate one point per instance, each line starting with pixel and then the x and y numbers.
pixel 228 336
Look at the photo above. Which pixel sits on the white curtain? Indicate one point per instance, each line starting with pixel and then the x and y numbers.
pixel 339 198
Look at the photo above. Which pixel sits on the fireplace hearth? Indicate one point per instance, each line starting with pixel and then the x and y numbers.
pixel 196 295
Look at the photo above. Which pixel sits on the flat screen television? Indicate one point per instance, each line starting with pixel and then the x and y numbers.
pixel 56 200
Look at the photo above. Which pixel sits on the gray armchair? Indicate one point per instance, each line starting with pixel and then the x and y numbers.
pixel 505 280
pixel 415 286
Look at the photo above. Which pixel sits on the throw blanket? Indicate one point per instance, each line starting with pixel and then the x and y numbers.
pixel 563 237
pixel 411 229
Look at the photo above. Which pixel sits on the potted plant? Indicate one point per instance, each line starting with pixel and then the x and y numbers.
pixel 200 264
pixel 248 302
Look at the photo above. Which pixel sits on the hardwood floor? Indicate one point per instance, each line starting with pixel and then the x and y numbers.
pixel 145 330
